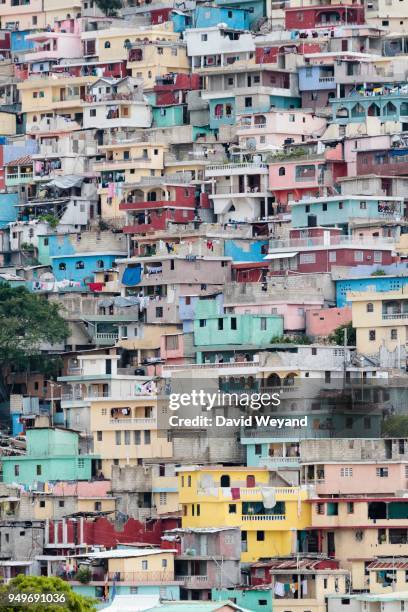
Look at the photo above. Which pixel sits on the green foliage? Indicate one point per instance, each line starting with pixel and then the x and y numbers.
pixel 291 340
pixel 337 337
pixel 40 584
pixel 378 273
pixel 83 575
pixel 395 427
pixel 26 320
pixel 26 246
pixel 109 7
pixel 52 220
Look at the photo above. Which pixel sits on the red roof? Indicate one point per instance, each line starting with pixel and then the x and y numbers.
pixel 20 161
pixel 388 564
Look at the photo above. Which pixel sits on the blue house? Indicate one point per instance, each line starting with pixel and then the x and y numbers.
pixel 223 109
pixel 19 42
pixel 256 8
pixel 315 78
pixel 336 210
pixel 246 251
pixel 209 16
pixel 8 208
pixel 390 282
pixel 356 108
pixel 81 267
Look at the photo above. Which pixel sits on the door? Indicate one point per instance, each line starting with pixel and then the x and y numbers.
pixel 250 480
pixel 108 366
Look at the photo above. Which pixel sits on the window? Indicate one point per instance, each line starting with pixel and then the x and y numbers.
pixel 17 470
pixel 61 503
pixel 159 312
pixel 232 508
pixel 258 449
pixel 370 307
pixel 159 50
pixel 62 266
pixel 172 343
pixel 371 335
pixel 248 102
pixel 363 205
pixel 292 118
pixel 394 334
pixel 147 436
pixel 332 256
pixel 350 507
pixel 92 112
pixel 282 171
pixel 260 536
pixel 233 323
pixel 38 470
pixel 377 257
pixel 346 472
pixel 98 506
pixel 307 258
pixel 381 472
pixel 262 602
pixel 42 503
pixel 137 437
pixel 145 564
pixel 340 205
pixel 107 44
pixel 163 498
pixel 358 256
pixel 79 265
pixel 118 438
pixel 220 324
pixel 99 436
pixel 127 437
pixel 263 323
pixel 324 206
pixel 204 37
pixel 164 563
pixel 81 463
pixel 99 263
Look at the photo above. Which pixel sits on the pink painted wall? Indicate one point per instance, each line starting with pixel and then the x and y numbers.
pixel 323 321
pixel 293 314
pixel 363 479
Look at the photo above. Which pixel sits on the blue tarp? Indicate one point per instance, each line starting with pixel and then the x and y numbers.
pixel 132 276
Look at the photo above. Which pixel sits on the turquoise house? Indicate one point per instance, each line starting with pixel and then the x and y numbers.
pixel 166 591
pixel 8 208
pixel 223 335
pixel 356 108
pixel 169 116
pixel 336 210
pixel 256 8
pixel 223 109
pixel 256 600
pixel 52 454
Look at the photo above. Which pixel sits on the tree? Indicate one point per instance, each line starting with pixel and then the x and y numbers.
pixel 395 426
pixel 337 337
pixel 109 7
pixel 26 322
pixel 40 585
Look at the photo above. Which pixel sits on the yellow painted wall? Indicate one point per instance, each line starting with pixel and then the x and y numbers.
pixel 7 124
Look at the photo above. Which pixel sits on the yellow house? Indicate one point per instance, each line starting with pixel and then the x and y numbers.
pixel 136 565
pixel 269 517
pixel 126 163
pixel 157 52
pixel 380 318
pixel 8 124
pixel 49 97
pixel 126 430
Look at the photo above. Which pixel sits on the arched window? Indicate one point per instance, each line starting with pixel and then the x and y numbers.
pixel 99 263
pixel 62 266
pixel 80 265
pixel 282 171
pixel 225 481
pixel 107 44
pixel 370 307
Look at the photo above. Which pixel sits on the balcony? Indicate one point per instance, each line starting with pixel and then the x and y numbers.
pixel 275 462
pixel 106 337
pixel 263 517
pixel 192 582
pixel 238 168
pixel 141 422
pixel 115 97
pixel 340 241
pixel 19 178
pixel 146 577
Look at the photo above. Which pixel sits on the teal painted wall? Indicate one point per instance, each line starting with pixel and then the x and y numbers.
pixel 256 601
pixel 237 329
pixel 168 116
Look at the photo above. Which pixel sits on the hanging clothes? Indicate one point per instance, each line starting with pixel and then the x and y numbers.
pixel 279 589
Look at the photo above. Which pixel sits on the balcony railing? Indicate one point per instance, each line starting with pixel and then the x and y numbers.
pixel 334 240
pixel 238 166
pixel 395 315
pixel 263 517
pixel 142 577
pixel 133 421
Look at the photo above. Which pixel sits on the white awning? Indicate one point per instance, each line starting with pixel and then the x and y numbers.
pixel 288 255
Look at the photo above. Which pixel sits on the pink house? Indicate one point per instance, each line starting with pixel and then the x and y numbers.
pixel 348 478
pixel 294 178
pixel 294 314
pixel 323 321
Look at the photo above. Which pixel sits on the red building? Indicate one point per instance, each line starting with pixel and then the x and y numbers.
pixel 154 209
pixel 266 54
pixel 173 88
pixel 383 162
pixel 310 17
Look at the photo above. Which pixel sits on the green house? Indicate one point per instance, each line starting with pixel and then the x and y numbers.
pixel 52 454
pixel 256 600
pixel 169 116
pixel 215 332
